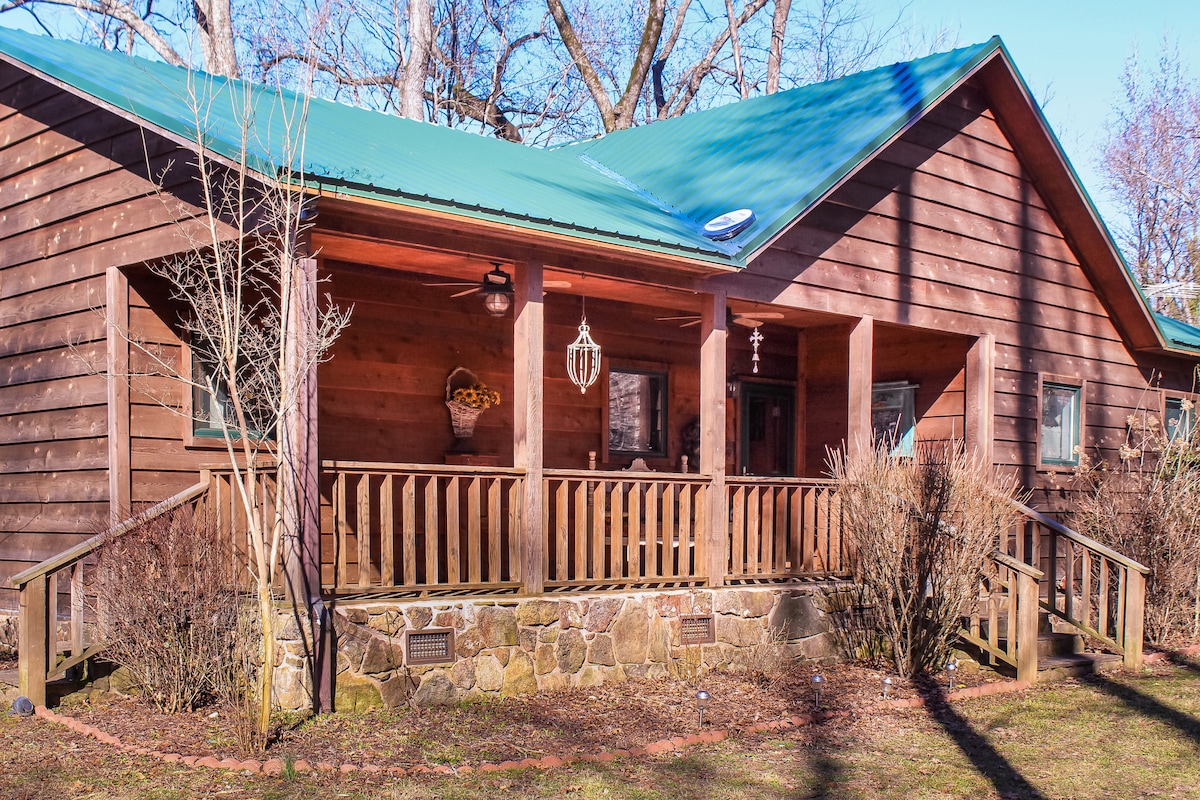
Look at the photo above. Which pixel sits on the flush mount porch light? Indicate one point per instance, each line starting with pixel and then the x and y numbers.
pixel 497 291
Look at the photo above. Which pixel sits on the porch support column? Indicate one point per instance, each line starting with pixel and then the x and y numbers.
pixel 800 467
pixel 116 312
pixel 712 434
pixel 528 369
pixel 300 478
pixel 981 384
pixel 858 385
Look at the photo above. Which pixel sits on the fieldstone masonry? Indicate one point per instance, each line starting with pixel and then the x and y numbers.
pixel 516 646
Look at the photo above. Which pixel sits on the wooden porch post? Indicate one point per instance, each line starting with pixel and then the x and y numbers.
pixel 800 468
pixel 858 385
pixel 981 380
pixel 528 368
pixel 120 494
pixel 300 476
pixel 712 433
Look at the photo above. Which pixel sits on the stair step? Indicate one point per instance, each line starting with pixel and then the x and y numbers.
pixel 1078 665
pixel 1059 644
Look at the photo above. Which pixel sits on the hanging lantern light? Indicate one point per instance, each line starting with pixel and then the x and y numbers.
pixel 583 356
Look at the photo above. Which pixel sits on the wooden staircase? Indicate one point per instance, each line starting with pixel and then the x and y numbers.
pixel 1054 603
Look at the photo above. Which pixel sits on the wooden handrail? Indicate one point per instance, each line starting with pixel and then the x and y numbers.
pixel 1017 566
pixel 1079 538
pixel 377 467
pixel 738 480
pixel 84 548
pixel 625 475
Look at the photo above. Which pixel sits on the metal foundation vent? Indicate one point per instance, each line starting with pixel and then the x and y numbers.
pixel 697 629
pixel 433 646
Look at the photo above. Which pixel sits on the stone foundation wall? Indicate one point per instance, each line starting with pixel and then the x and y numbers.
pixel 517 646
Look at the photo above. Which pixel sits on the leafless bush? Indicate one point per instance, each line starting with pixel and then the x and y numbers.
pixel 1148 507
pixel 923 526
pixel 767 662
pixel 167 608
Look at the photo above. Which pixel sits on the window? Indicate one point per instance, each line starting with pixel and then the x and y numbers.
pixel 893 419
pixel 1177 417
pixel 637 412
pixel 1061 423
pixel 209 408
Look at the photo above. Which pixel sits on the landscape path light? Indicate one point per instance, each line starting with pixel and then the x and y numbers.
pixel 951 669
pixel 887 687
pixel 817 683
pixel 702 698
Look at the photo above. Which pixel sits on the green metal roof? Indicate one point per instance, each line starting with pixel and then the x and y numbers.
pixel 651 188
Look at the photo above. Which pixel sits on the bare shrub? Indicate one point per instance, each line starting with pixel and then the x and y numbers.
pixel 167 608
pixel 1148 508
pixel 768 661
pixel 923 526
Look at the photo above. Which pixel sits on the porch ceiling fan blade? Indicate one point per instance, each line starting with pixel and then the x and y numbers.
pixel 466 292
pixel 676 319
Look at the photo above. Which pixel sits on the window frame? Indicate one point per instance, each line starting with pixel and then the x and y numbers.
pixel 1079 385
pixel 212 438
pixel 662 371
pixel 1170 395
pixel 905 445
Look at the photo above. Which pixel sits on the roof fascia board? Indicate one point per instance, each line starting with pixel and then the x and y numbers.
pixel 984 57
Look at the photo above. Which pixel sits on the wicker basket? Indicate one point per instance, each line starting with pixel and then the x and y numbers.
pixel 462 416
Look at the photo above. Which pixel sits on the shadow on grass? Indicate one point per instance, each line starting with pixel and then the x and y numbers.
pixel 1184 662
pixel 990 763
pixel 1148 706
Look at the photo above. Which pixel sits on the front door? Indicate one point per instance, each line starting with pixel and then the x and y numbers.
pixel 767 430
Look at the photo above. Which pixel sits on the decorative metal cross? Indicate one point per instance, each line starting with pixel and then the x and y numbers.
pixel 756 339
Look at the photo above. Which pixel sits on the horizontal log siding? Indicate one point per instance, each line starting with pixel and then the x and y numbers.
pixel 945 231
pixel 74 200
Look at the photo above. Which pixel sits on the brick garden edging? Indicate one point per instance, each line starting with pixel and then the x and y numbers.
pixel 276 766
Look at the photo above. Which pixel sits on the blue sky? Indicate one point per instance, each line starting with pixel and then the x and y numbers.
pixel 1071 53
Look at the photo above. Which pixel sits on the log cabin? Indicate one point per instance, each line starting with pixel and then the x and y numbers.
pixel 903 252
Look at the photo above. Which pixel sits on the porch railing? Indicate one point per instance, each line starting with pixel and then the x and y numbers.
pixel 1087 585
pixel 1008 593
pixel 39 649
pixel 419 528
pixel 782 528
pixel 622 528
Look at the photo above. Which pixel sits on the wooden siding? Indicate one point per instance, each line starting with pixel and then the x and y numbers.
pixel 945 231
pixel 75 199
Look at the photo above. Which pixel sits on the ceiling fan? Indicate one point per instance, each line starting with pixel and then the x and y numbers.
pixel 496 279
pixel 745 320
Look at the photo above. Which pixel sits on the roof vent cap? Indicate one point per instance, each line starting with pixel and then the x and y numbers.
pixel 729 224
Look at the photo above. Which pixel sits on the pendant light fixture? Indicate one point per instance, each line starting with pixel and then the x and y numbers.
pixel 755 339
pixel 583 356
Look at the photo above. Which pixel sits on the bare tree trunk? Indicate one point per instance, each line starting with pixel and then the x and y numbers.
pixel 416 69
pixel 739 73
pixel 778 32
pixel 214 21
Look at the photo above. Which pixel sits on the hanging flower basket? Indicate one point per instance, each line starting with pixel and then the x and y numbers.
pixel 467 398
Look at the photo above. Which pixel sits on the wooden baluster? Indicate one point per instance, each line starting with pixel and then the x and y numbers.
pixel 409 495
pixel 670 540
pixel 689 505
pixel 432 531
pixel 779 536
pixel 835 558
pixel 651 529
pixel 579 568
pixel 795 529
pixel 994 597
pixel 516 509
pixel 475 530
pixel 811 506
pixel 1050 568
pixel 77 606
pixel 342 526
pixel 1085 594
pixel 599 529
pixel 738 547
pixel 754 534
pixel 1103 607
pixel 562 516
pixel 495 531
pixel 363 530
pixel 453 532
pixel 1122 595
pixel 545 529
pixel 616 567
pixel 387 532
pixel 635 530
pixel 1069 579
